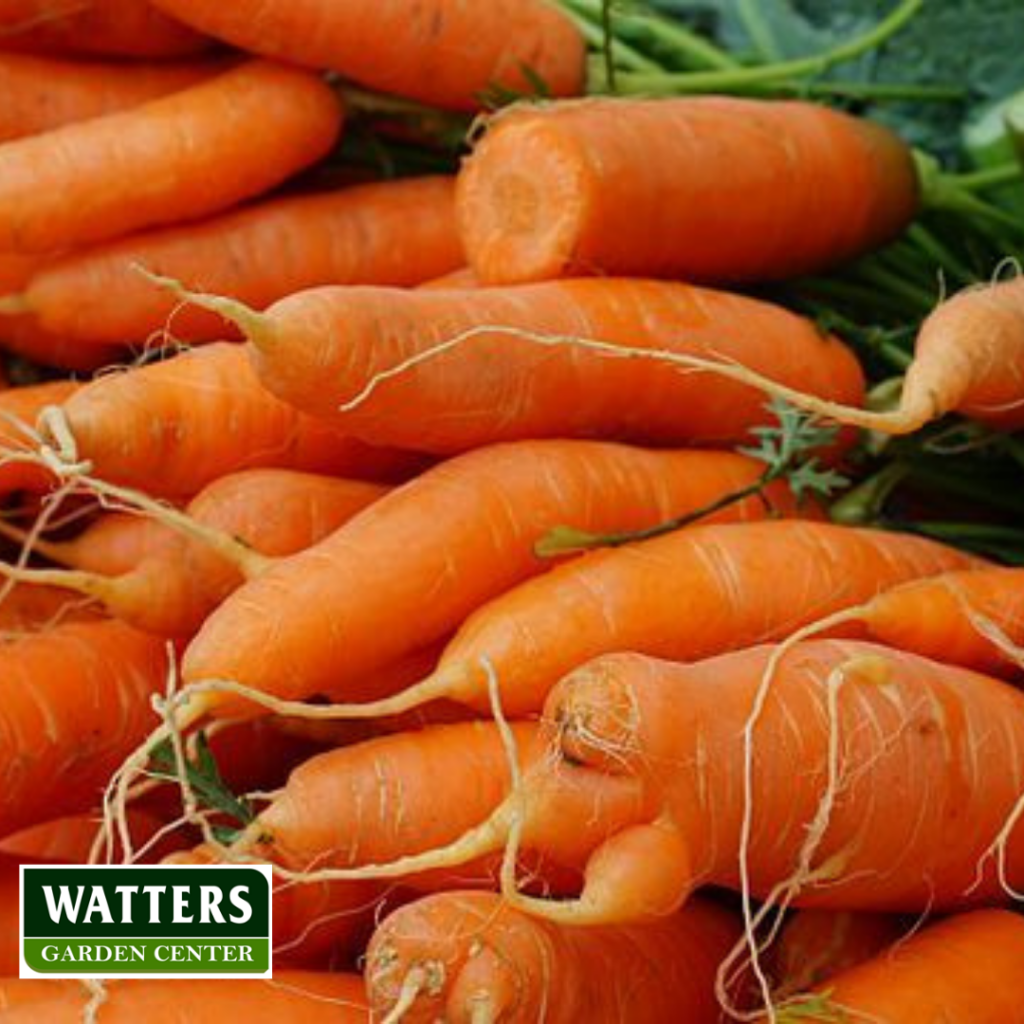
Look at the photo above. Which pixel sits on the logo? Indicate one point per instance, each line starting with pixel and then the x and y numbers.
pixel 189 921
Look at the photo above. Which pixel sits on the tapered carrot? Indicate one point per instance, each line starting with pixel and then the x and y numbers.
pixel 312 997
pixel 76 700
pixel 171 428
pixel 123 28
pixel 411 567
pixel 28 608
pixel 23 335
pixel 43 93
pixel 19 409
pixel 464 956
pixel 446 371
pixel 968 359
pixel 186 155
pixel 443 52
pixel 966 968
pixel 702 188
pixel 683 596
pixel 388 233
pixel 888 747
pixel 816 944
pixel 180 578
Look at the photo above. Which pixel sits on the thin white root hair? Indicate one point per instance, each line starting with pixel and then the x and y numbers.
pixel 413 984
pixel 98 995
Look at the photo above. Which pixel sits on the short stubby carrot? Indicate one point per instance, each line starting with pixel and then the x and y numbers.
pixel 43 93
pixel 389 233
pixel 171 428
pixel 19 408
pixel 465 956
pixel 187 155
pixel 410 568
pixel 683 596
pixel 444 53
pixel 895 754
pixel 966 968
pixel 116 28
pixel 708 188
pixel 179 576
pixel 312 997
pixel 446 371
pixel 76 701
pixel 968 359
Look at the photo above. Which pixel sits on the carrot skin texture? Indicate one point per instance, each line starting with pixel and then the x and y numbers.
pixel 76 702
pixel 527 970
pixel 42 93
pixel 702 189
pixel 966 968
pixel 173 427
pixel 29 608
pixel 932 617
pixel 909 732
pixel 496 387
pixel 443 52
pixel 389 233
pixel 471 524
pixel 115 28
pixel 312 997
pixel 22 406
pixel 679 597
pixel 190 154
pixel 24 336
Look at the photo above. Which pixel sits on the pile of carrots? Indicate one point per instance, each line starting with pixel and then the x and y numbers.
pixel 429 511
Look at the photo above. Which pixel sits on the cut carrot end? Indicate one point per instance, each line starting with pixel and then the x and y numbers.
pixel 522 204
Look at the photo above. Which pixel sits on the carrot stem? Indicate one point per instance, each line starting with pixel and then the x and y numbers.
pixel 863 505
pixel 716 81
pixel 990 177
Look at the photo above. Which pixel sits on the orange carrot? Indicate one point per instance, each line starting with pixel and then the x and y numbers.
pixel 950 618
pixel 968 359
pixel 461 369
pixel 28 608
pixel 16 992
pixel 815 944
pixel 865 760
pixel 464 956
pixel 966 968
pixel 42 93
pixel 411 567
pixel 24 336
pixel 310 997
pixel 76 700
pixel 456 280
pixel 263 514
pixel 444 53
pixel 16 270
pixel 171 428
pixel 388 233
pixel 187 155
pixel 124 28
pixel 707 188
pixel 684 596
pixel 19 408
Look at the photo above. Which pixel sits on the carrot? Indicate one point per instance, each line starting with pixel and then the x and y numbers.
pixel 889 748
pixel 28 608
pixel 707 188
pixel 683 596
pixel 968 359
pixel 187 155
pixel 388 233
pixel 43 93
pixel 264 515
pixel 816 944
pixel 443 53
pixel 16 992
pixel 173 427
pixel 123 28
pixel 76 699
pixel 313 998
pixel 411 567
pixel 456 280
pixel 19 408
pixel 516 372
pixel 966 968
pixel 464 956
pixel 951 618
pixel 16 269
pixel 22 335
